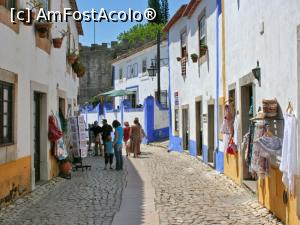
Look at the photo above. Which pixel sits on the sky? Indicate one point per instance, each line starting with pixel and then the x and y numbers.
pixel 108 31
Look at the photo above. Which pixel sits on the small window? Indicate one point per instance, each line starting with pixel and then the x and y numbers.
pixel 6 113
pixel 202 30
pixel 121 73
pixel 183 40
pixel 9 4
pixel 144 66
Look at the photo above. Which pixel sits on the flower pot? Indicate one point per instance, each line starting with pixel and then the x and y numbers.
pixel 57 42
pixel 203 50
pixel 72 59
pixel 42 28
pixel 65 168
pixel 178 59
pixel 194 58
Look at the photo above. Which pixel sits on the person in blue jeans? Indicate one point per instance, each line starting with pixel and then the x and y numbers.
pixel 118 144
pixel 109 153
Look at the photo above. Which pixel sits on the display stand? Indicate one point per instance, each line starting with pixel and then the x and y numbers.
pixel 79 143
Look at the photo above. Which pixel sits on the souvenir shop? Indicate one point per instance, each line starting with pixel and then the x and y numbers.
pixel 263 148
pixel 68 139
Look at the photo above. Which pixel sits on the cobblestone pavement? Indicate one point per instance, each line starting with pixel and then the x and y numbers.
pixel 90 197
pixel 189 192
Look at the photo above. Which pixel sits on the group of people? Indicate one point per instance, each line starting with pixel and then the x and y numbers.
pixel 111 145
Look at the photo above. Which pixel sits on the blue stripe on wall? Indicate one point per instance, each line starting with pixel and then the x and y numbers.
pixel 220 161
pixel 205 154
pixel 175 144
pixel 193 148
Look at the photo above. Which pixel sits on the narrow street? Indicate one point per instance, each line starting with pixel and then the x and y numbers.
pixel 182 189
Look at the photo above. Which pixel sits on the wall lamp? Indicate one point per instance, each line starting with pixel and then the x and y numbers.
pixel 257 73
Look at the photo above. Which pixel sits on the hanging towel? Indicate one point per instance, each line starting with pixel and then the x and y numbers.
pixel 288 164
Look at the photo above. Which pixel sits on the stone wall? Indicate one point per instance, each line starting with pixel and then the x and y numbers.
pixel 98 78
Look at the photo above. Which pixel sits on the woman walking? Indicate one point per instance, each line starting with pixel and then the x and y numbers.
pixel 135 137
pixel 126 137
pixel 118 144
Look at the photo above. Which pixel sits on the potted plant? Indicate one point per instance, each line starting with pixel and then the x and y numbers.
pixel 178 59
pixel 194 57
pixel 30 15
pixel 72 57
pixel 57 42
pixel 203 49
pixel 42 28
pixel 79 69
pixel 65 167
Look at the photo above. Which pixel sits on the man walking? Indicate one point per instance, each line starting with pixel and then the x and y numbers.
pixel 106 132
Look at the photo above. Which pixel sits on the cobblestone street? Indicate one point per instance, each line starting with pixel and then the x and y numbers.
pixel 90 197
pixel 186 192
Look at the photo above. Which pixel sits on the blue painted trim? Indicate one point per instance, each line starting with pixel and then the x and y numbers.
pixel 134 86
pixel 112 110
pixel 170 98
pixel 149 118
pixel 220 161
pixel 122 110
pixel 161 134
pixel 205 154
pixel 175 144
pixel 134 109
pixel 193 148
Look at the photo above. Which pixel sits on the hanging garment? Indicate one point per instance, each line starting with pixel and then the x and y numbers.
pixel 259 163
pixel 244 147
pixel 54 133
pixel 269 145
pixel 288 164
pixel 237 137
pixel 226 139
pixel 227 127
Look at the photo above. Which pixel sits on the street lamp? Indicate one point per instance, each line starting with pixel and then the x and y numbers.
pixel 152 70
pixel 257 73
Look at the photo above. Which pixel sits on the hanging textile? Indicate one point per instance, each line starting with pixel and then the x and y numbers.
pixel 269 145
pixel 53 132
pixel 288 164
pixel 237 137
pixel 227 127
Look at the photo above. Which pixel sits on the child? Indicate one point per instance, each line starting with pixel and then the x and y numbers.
pixel 109 152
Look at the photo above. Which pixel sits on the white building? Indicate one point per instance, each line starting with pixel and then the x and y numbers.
pixel 267 32
pixel 193 85
pixel 35 80
pixel 130 73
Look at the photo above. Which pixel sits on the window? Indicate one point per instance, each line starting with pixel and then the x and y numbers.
pixel 163 98
pixel 121 73
pixel 183 40
pixel 132 71
pixel 144 66
pixel 202 30
pixel 6 113
pixel 9 4
pixel 132 98
pixel 176 117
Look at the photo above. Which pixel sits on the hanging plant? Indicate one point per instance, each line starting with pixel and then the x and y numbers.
pixel 203 49
pixel 194 57
pixel 57 42
pixel 79 69
pixel 29 17
pixel 42 28
pixel 72 57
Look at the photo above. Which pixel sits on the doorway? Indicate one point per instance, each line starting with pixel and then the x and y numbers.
pixel 185 128
pixel 211 133
pixel 199 128
pixel 247 112
pixel 37 98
